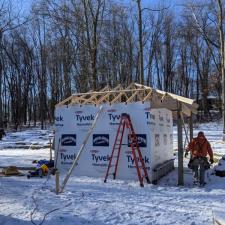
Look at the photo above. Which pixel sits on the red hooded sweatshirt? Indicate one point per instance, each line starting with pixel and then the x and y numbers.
pixel 200 147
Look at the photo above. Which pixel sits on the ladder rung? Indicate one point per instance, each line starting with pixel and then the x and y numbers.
pixel 111 174
pixel 134 139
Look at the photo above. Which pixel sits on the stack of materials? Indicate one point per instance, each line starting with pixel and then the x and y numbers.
pixel 220 169
pixel 10 171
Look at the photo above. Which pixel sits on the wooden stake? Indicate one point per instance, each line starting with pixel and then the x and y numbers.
pixel 57 187
pixel 57 153
pixel 50 149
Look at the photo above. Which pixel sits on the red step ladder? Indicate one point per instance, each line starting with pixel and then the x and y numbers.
pixel 125 123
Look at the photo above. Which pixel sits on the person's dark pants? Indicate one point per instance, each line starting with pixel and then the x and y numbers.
pixel 2 133
pixel 36 173
pixel 199 166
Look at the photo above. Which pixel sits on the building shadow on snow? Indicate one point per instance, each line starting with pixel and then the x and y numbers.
pixel 9 220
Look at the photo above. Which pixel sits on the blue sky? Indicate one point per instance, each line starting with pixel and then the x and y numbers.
pixel 22 5
pixel 25 5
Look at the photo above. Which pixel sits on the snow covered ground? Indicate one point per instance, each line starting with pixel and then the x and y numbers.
pixel 90 201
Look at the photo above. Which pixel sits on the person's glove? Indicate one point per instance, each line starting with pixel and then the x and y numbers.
pixel 186 154
pixel 211 161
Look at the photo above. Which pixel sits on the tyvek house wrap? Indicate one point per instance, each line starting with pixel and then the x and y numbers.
pixel 152 126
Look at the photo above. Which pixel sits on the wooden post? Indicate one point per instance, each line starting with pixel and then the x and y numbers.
pixel 191 126
pixel 57 187
pixel 180 145
pixel 50 149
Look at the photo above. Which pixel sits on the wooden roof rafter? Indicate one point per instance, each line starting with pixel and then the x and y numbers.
pixel 105 98
pixel 133 93
pixel 148 96
pixel 118 97
pixel 132 97
pixel 79 99
pixel 65 101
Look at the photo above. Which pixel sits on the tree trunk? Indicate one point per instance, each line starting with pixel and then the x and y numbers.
pixel 140 35
pixel 221 34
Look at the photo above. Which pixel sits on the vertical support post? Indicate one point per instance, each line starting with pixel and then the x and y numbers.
pixel 50 149
pixel 191 126
pixel 57 187
pixel 180 145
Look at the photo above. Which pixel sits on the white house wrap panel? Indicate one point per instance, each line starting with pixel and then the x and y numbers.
pixel 152 126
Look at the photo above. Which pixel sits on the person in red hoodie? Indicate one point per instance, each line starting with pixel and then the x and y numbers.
pixel 199 148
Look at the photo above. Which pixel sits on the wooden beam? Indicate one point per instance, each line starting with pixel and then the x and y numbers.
pixel 110 91
pixel 131 86
pixel 149 95
pixel 140 95
pixel 82 148
pixel 89 100
pixel 180 145
pixel 64 101
pixel 191 126
pixel 132 96
pixel 118 87
pixel 117 97
pixel 185 130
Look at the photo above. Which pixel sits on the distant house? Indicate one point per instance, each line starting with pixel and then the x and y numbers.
pixel 213 102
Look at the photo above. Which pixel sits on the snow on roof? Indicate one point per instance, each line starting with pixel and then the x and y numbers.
pixel 133 93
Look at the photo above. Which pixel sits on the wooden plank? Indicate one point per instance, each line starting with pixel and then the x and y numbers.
pixel 218 216
pixel 149 95
pixel 81 149
pixel 180 145
pixel 132 96
pixel 117 97
pixel 219 222
pixel 20 167
pixel 64 101
pixel 110 91
pixel 139 96
pixel 106 88
pixel 118 87
pixel 185 130
pixel 51 142
pixel 191 126
pixel 57 186
pixel 79 99
pixel 90 100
